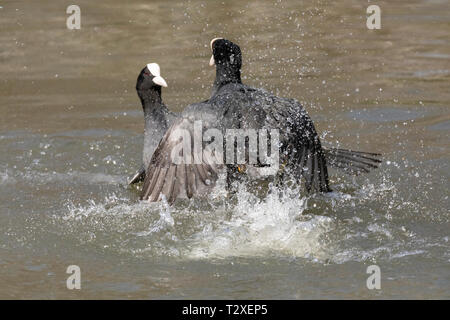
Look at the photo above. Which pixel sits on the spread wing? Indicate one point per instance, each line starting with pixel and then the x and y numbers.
pixel 176 170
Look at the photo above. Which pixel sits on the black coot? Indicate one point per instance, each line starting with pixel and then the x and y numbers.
pixel 157 116
pixel 234 105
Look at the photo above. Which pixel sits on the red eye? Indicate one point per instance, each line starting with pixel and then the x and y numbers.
pixel 146 73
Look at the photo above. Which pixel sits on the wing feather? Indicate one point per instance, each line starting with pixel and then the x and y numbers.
pixel 177 180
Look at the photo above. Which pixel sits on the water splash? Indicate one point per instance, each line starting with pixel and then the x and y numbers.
pixel 362 220
pixel 273 226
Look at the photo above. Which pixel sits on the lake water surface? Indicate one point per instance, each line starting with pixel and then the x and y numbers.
pixel 71 129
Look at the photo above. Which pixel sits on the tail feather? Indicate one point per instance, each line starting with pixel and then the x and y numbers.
pixel 352 162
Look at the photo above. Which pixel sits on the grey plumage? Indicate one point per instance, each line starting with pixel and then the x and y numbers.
pixel 177 180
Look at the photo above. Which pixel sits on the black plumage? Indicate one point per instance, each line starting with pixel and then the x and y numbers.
pixel 234 105
pixel 157 116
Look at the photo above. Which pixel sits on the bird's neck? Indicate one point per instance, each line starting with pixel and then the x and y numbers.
pixel 156 114
pixel 151 100
pixel 226 74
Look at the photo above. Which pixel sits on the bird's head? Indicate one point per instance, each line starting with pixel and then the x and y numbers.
pixel 225 52
pixel 150 78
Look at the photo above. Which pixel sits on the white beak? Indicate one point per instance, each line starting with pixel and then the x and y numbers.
pixel 211 61
pixel 160 81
